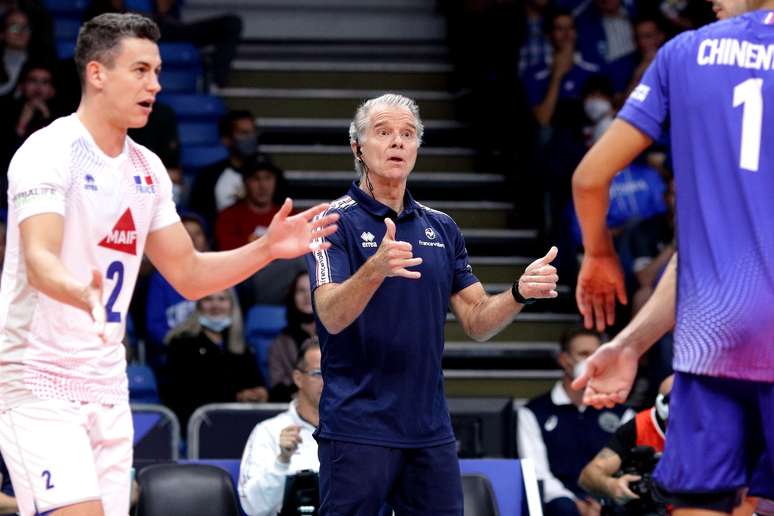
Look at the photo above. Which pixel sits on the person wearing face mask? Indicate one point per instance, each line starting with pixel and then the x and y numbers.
pixel 284 350
pixel 562 435
pixel 598 105
pixel 220 185
pixel 208 361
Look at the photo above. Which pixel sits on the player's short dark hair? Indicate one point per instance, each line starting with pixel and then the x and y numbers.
pixel 308 344
pixel 569 335
pixel 100 37
pixel 226 123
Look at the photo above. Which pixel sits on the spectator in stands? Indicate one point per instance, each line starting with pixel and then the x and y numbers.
pixel 284 351
pixel 284 444
pixel 536 48
pixel 220 185
pixel 561 78
pixel 649 36
pixel 16 38
pixel 7 497
pixel 165 307
pixel 648 428
pixel 248 219
pixel 208 361
pixel 598 106
pixel 562 435
pixel 24 113
pixel 605 30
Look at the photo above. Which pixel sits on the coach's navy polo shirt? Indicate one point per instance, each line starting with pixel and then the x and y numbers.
pixel 383 376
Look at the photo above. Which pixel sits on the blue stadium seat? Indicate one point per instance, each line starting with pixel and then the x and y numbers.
pixel 198 133
pixel 66 28
pixel 142 384
pixel 195 157
pixel 262 325
pixel 180 80
pixel 139 6
pixel 179 54
pixel 69 8
pixel 195 108
pixel 65 49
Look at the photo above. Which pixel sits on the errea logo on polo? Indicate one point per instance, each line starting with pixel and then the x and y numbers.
pixel 368 239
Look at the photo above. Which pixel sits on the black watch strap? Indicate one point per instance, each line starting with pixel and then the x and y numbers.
pixel 517 295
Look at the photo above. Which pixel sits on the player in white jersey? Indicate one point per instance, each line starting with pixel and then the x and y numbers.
pixel 85 202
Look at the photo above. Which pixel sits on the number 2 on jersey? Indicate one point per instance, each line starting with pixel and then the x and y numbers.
pixel 749 94
pixel 114 270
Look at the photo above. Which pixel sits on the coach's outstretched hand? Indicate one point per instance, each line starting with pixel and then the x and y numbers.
pixel 540 277
pixel 609 375
pixel 600 282
pixel 393 256
pixel 293 236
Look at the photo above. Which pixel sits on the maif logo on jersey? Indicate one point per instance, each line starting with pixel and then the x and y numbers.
pixel 144 183
pixel 123 236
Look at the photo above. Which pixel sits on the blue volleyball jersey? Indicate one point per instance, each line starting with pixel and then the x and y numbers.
pixel 714 87
pixel 383 381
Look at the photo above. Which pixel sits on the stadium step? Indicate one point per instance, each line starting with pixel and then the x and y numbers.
pixel 518 384
pixel 325 74
pixel 326 103
pixel 500 355
pixel 528 326
pixel 339 157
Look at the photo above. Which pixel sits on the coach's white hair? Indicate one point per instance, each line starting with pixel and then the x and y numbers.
pixel 359 125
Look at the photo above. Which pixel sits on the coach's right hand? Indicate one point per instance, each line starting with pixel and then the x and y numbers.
pixel 393 256
pixel 289 439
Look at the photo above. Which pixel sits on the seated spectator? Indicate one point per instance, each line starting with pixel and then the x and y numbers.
pixel 605 30
pixel 562 435
pixel 31 109
pixel 16 37
pixel 601 477
pixel 284 444
pixel 7 496
pixel 248 219
pixel 165 307
pixel 562 77
pixel 208 361
pixel 598 106
pixel 535 49
pixel 649 37
pixel 220 185
pixel 283 352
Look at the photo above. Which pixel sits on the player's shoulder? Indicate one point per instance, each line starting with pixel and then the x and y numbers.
pixel 344 206
pixel 51 141
pixel 439 216
pixel 143 153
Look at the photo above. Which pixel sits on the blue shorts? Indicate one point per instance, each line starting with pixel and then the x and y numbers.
pixel 358 479
pixel 720 437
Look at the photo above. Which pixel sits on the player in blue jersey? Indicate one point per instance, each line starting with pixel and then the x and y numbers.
pixel 714 87
pixel 381 295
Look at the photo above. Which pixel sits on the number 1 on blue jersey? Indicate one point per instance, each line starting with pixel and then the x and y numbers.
pixel 749 94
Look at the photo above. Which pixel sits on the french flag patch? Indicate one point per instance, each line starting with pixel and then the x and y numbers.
pixel 138 180
pixel 769 19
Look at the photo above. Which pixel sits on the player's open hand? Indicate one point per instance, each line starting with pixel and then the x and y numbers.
pixel 92 296
pixel 609 375
pixel 394 257
pixel 540 277
pixel 293 236
pixel 600 282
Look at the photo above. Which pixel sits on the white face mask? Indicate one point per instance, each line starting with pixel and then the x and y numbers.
pixel 216 324
pixel 596 108
pixel 579 369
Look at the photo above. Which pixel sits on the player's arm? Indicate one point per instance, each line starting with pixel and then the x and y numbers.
pixel 41 240
pixel 597 478
pixel 8 504
pixel 196 274
pixel 339 304
pixel 483 316
pixel 610 371
pixel 600 279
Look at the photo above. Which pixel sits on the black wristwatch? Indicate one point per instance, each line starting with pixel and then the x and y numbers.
pixel 517 295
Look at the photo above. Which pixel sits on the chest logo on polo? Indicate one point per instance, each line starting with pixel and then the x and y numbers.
pixel 368 239
pixel 89 183
pixel 551 423
pixel 609 421
pixel 123 236
pixel 430 234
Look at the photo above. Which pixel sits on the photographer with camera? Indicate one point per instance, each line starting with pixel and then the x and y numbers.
pixel 283 446
pixel 621 471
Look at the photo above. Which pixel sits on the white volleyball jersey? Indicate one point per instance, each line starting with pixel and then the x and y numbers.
pixel 49 349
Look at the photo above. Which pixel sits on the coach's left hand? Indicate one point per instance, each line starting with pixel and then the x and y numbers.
pixel 540 277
